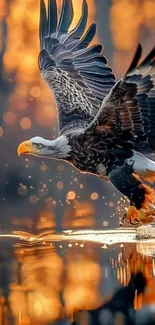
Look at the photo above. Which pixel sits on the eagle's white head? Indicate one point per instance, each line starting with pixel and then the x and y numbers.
pixel 37 146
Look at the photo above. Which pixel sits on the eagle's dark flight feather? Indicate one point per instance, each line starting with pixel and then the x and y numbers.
pixel 128 110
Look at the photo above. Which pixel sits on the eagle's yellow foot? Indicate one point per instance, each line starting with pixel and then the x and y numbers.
pixel 140 216
pixel 132 216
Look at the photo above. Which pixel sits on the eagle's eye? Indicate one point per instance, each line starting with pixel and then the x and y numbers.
pixel 40 146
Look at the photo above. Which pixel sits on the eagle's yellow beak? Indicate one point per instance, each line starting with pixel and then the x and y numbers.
pixel 25 147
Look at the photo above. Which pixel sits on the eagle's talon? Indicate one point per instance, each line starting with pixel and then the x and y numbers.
pixel 122 221
pixel 140 216
pixel 133 215
pixel 135 221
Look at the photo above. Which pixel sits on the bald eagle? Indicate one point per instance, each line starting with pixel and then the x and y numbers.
pixel 106 126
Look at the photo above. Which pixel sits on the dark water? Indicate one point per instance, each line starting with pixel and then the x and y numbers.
pixel 46 276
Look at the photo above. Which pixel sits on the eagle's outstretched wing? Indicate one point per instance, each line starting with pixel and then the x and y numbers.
pixel 128 111
pixel 78 76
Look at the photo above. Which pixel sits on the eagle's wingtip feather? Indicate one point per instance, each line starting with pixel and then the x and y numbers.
pixel 52 17
pixel 136 58
pixel 42 21
pixel 66 17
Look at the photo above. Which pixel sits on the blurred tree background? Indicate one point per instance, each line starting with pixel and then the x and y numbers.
pixel 38 194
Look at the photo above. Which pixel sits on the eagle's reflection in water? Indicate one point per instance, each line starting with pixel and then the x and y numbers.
pixel 50 281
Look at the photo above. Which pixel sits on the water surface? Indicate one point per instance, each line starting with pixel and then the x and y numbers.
pixel 46 276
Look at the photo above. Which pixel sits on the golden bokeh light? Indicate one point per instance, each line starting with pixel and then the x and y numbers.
pixel 25 123
pixel 60 185
pixel 111 204
pixel 71 195
pixel 105 223
pixel 43 167
pixel 94 196
pixel 9 117
pixel 35 91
